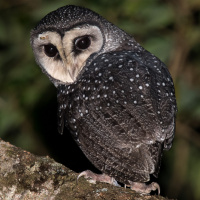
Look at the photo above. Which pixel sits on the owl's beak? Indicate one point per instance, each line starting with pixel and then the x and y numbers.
pixel 71 74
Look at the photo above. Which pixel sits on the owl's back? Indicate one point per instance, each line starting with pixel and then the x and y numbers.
pixel 121 112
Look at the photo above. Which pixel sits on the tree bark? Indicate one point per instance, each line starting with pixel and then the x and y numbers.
pixel 27 176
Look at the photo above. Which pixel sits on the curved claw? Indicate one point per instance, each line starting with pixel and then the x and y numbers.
pixel 155 186
pixel 115 183
pixel 84 173
pixel 88 174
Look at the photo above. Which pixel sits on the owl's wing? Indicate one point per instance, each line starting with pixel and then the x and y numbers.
pixel 121 112
pixel 62 104
pixel 135 91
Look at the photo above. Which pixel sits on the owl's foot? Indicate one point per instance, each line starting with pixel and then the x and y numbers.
pixel 143 188
pixel 93 178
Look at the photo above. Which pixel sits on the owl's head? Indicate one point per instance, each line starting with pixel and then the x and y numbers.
pixel 65 38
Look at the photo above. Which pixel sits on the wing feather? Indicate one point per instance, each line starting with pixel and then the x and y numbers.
pixel 121 112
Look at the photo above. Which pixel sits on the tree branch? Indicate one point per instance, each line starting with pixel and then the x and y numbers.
pixel 26 176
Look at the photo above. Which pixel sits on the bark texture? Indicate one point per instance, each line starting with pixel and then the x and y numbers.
pixel 26 176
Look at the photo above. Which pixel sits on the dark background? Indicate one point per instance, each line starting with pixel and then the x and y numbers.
pixel 28 105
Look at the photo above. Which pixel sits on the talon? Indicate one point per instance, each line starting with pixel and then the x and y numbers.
pixel 115 183
pixel 155 187
pixel 88 174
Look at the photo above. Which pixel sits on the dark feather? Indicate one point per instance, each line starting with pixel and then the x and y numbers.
pixel 121 112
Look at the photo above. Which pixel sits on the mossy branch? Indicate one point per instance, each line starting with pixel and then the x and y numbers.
pixel 27 176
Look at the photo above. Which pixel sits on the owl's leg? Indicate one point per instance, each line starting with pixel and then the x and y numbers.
pixel 93 178
pixel 144 188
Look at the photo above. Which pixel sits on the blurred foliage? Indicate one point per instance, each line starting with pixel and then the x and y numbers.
pixel 169 29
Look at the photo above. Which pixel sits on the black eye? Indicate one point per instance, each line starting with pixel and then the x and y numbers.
pixel 82 43
pixel 50 50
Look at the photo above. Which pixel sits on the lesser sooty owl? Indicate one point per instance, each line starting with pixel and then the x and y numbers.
pixel 115 97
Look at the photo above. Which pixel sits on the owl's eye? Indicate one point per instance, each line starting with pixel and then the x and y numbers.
pixel 82 43
pixel 50 50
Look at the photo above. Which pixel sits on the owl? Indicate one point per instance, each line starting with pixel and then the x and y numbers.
pixel 116 98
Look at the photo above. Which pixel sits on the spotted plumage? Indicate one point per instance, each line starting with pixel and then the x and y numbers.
pixel 116 98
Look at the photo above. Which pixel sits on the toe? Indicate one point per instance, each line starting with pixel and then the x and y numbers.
pixel 93 178
pixel 144 188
